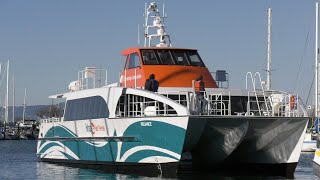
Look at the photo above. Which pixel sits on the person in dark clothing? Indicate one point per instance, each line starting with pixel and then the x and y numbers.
pixel 146 84
pixel 151 84
pixel 200 93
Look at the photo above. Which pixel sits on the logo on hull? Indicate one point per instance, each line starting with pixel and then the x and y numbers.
pixel 93 127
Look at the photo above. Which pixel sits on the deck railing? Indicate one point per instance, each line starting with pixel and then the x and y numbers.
pixel 51 120
pixel 256 103
pixel 131 105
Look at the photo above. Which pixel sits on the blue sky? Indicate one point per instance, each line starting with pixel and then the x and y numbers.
pixel 47 42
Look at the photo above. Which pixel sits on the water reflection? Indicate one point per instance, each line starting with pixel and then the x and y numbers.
pixel 50 171
pixel 56 171
pixel 18 161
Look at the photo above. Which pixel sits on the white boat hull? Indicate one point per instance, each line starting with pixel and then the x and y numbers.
pixel 316 162
pixel 122 141
pixel 309 145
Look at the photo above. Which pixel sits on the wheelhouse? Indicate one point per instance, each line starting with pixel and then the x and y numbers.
pixel 173 67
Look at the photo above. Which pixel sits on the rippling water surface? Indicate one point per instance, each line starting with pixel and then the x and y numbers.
pixel 18 161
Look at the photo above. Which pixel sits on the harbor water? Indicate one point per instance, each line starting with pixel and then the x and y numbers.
pixel 19 161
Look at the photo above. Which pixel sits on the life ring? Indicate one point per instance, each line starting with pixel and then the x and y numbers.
pixel 292 102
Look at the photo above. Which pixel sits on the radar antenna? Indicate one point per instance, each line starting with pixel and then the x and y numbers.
pixel 152 11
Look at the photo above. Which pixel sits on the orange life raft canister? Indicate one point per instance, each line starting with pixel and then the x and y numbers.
pixel 292 102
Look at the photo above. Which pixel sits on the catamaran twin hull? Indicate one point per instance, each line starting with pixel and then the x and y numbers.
pixel 155 145
pixel 267 145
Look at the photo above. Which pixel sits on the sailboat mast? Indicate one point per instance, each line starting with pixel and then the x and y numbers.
pixel 13 103
pixel 269 51
pixel 7 95
pixel 24 105
pixel 316 109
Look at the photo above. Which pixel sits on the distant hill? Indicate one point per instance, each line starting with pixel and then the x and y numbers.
pixel 29 114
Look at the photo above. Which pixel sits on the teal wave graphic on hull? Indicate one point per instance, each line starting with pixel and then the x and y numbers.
pixel 156 139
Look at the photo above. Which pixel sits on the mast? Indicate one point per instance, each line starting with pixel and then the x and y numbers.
pixel 24 105
pixel 157 24
pixel 316 110
pixel 13 103
pixel 7 95
pixel 269 51
pixel 0 72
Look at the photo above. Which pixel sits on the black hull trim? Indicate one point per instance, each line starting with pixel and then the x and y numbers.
pixel 286 169
pixel 144 169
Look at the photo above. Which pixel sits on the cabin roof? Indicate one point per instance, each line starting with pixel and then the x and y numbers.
pixel 135 49
pixel 56 96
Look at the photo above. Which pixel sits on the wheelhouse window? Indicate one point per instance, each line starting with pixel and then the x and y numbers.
pixel 126 65
pixel 181 57
pixel 171 57
pixel 86 108
pixel 195 58
pixel 134 60
pixel 165 57
pixel 149 57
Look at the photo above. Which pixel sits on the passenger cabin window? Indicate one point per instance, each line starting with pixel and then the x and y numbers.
pixel 130 105
pixel 134 60
pixel 149 57
pixel 86 108
pixel 171 57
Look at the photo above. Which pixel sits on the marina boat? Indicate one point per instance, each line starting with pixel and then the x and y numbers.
pixel 126 128
pixel 309 142
pixel 316 159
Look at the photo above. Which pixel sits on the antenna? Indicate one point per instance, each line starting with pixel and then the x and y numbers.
pixel 146 24
pixel 163 13
pixel 138 35
pixel 163 10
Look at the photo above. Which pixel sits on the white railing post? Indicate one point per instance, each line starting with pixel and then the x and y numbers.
pixel 194 95
pixel 125 78
pixel 229 103
pixel 135 78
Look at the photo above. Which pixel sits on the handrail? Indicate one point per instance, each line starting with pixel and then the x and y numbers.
pixel 264 95
pixel 51 120
pixel 215 99
pixel 254 88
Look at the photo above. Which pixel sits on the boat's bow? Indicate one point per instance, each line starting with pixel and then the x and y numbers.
pixel 211 139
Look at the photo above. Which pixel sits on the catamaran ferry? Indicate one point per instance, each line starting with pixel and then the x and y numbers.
pixel 122 126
